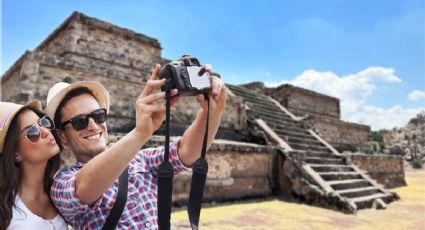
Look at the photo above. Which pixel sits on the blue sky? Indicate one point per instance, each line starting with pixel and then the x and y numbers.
pixel 368 53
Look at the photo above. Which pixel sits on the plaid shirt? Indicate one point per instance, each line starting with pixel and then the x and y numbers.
pixel 140 211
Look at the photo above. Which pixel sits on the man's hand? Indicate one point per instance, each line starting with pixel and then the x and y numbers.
pixel 217 95
pixel 150 106
pixel 191 143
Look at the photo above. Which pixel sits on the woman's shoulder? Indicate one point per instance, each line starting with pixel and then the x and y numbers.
pixel 23 218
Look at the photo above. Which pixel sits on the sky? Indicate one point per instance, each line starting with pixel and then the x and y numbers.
pixel 368 53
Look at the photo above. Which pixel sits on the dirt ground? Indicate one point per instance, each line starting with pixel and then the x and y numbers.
pixel 406 213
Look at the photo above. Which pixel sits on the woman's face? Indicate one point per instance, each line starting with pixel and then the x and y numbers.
pixel 41 150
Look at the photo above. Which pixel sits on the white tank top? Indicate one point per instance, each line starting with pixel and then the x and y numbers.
pixel 23 218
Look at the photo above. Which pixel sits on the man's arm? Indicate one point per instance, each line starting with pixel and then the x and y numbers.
pixel 100 172
pixel 191 142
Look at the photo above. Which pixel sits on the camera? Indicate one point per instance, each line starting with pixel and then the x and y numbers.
pixel 187 75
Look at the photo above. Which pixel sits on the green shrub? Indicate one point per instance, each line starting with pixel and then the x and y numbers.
pixel 396 150
pixel 416 164
pixel 376 148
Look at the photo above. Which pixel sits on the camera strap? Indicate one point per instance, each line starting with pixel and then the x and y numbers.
pixel 166 173
pixel 200 170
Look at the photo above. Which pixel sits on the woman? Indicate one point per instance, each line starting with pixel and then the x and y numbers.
pixel 28 161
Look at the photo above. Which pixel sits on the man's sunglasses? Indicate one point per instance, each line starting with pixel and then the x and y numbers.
pixel 81 122
pixel 33 132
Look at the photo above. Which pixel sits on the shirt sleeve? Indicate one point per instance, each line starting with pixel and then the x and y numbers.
pixel 153 157
pixel 64 197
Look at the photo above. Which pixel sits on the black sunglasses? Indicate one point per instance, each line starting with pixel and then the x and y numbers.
pixel 81 122
pixel 33 132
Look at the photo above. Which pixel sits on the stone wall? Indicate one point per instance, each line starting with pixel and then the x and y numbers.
pixel 40 71
pixel 86 49
pixel 236 170
pixel 20 82
pixel 82 37
pixel 343 136
pixel 385 169
pixel 231 175
pixel 323 114
pixel 302 101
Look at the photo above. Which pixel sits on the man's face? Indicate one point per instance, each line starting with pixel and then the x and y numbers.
pixel 88 142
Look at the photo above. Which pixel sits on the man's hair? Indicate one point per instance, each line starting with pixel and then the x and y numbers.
pixel 71 94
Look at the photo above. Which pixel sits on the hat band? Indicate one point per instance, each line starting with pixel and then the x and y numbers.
pixel 4 118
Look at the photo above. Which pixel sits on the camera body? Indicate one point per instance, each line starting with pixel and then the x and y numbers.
pixel 187 75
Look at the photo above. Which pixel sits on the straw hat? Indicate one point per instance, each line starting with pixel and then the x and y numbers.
pixel 8 111
pixel 60 89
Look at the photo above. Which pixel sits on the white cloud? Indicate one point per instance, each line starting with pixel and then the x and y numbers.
pixel 378 74
pixel 353 91
pixel 380 118
pixel 416 95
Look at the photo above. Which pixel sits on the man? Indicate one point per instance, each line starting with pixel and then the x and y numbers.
pixel 86 192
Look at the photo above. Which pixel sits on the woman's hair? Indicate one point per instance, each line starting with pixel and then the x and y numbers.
pixel 11 172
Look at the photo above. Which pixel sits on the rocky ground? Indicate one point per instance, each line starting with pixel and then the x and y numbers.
pixel 407 213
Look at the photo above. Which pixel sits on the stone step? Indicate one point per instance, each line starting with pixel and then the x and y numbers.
pixel 321 154
pixel 358 192
pixel 340 176
pixel 273 119
pixel 317 160
pixel 364 202
pixel 303 135
pixel 302 146
pixel 259 102
pixel 274 113
pixel 349 184
pixel 287 130
pixel 282 123
pixel 310 141
pixel 241 90
pixel 249 96
pixel 265 106
pixel 331 168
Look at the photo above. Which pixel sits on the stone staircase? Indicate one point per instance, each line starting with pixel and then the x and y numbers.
pixel 323 170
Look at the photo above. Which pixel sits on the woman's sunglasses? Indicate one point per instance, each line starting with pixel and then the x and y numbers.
pixel 81 122
pixel 33 132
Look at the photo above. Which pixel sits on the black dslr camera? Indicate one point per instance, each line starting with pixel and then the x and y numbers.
pixel 187 75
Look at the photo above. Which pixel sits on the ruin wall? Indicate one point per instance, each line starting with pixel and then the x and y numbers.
pixel 385 169
pixel 302 101
pixel 343 136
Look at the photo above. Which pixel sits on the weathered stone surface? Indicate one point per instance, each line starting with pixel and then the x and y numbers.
pixel 302 101
pixel 323 114
pixel 293 182
pixel 84 48
pixel 385 169
pixel 82 36
pixel 343 136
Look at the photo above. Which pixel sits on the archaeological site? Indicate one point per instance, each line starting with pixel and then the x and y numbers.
pixel 283 142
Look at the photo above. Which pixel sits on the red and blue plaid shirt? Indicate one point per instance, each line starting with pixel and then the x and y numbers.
pixel 140 211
